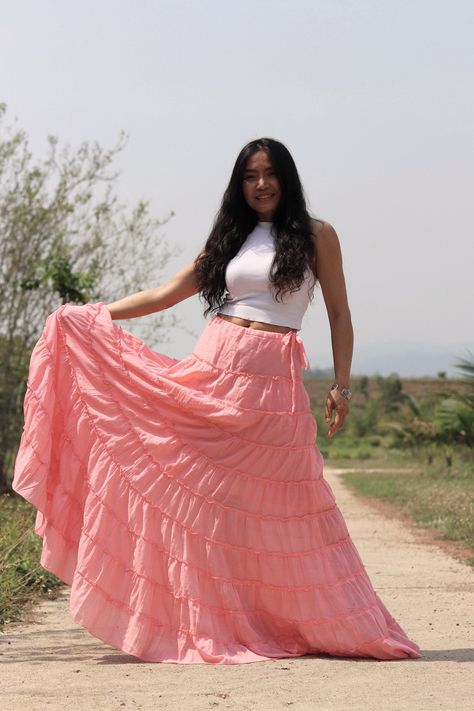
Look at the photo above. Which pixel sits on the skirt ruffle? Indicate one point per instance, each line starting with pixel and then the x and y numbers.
pixel 184 501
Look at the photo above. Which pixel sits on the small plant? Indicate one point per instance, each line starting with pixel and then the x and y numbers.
pixel 363 386
pixel 448 455
pixel 22 578
pixel 364 421
pixel 391 393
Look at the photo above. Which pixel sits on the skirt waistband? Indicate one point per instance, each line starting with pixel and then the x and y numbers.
pixel 249 351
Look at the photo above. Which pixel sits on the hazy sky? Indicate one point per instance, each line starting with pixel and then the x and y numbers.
pixel 375 100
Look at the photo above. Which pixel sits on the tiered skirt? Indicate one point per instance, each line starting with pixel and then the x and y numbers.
pixel 184 501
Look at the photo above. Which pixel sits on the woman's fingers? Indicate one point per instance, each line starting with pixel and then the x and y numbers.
pixel 341 407
pixel 330 405
pixel 336 424
pixel 328 409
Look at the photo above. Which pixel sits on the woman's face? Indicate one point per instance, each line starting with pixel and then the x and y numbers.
pixel 261 187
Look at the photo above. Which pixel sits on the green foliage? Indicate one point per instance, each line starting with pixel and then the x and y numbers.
pixel 454 421
pixel 391 393
pixel 363 386
pixel 449 419
pixel 56 273
pixel 466 366
pixel 412 426
pixel 22 578
pixel 453 418
pixel 364 421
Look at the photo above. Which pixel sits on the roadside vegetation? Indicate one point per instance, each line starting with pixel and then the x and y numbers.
pixel 410 443
pixel 22 579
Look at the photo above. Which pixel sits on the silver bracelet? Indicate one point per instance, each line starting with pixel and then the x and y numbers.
pixel 345 392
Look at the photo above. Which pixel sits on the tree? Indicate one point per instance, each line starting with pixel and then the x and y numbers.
pixel 64 237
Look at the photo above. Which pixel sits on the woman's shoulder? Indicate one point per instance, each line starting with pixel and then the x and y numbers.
pixel 322 231
pixel 317 225
pixel 327 248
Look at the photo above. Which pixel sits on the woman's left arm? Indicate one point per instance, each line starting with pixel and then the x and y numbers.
pixel 330 274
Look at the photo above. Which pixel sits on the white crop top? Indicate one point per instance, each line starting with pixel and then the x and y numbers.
pixel 249 293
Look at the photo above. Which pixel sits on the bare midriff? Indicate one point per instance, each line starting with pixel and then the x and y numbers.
pixel 258 325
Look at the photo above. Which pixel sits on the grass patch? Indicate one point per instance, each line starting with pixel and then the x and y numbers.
pixel 23 581
pixel 434 496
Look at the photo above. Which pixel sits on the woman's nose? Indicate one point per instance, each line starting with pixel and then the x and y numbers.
pixel 261 181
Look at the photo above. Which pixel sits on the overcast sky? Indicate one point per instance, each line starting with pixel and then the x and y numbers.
pixel 374 99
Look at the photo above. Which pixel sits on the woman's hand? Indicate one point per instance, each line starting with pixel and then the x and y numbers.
pixel 335 404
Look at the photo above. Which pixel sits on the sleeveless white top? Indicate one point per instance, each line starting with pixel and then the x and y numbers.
pixel 249 294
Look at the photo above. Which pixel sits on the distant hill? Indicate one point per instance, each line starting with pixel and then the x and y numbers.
pixel 409 360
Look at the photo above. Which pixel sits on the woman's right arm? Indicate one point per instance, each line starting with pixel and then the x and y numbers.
pixel 180 286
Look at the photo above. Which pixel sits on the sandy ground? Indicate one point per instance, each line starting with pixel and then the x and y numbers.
pixel 53 664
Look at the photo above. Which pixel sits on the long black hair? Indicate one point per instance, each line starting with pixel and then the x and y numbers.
pixel 294 247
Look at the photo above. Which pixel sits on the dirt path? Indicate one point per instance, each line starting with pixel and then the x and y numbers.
pixel 55 665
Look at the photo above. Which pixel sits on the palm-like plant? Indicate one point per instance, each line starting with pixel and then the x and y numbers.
pixel 416 427
pixel 454 420
pixel 454 416
pixel 466 365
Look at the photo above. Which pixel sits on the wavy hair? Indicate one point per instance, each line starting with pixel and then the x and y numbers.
pixel 294 247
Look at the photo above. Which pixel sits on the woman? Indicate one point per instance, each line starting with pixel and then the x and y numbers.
pixel 184 500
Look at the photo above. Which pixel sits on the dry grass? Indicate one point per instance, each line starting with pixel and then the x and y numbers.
pixel 22 579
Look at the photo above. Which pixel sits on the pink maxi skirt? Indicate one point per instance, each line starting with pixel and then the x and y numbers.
pixel 184 501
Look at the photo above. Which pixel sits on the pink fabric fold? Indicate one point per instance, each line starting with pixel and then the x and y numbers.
pixel 184 501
